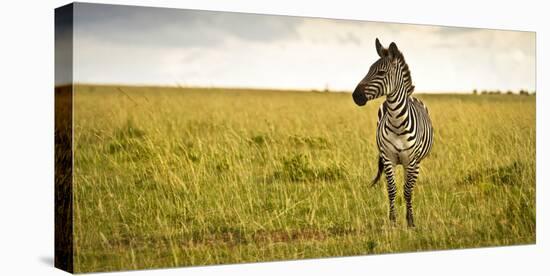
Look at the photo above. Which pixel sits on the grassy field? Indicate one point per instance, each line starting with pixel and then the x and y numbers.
pixel 177 177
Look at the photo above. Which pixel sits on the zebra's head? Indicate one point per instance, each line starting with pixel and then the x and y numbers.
pixel 383 76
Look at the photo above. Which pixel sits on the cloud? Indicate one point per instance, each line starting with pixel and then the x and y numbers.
pixel 162 27
pixel 140 45
pixel 453 31
pixel 350 38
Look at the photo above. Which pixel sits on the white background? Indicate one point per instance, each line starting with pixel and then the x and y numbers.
pixel 26 136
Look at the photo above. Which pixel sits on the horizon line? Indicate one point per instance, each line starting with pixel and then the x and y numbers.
pixel 324 90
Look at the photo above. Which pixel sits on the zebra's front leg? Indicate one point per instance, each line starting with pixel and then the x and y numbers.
pixel 411 176
pixel 388 170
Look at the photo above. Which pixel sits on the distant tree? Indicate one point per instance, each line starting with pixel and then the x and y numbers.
pixel 475 91
pixel 509 92
pixel 484 92
pixel 327 88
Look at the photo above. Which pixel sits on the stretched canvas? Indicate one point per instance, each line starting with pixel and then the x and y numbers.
pixel 189 137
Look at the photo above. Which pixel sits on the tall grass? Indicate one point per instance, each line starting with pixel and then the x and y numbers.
pixel 174 177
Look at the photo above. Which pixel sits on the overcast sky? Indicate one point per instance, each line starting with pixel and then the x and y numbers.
pixel 158 46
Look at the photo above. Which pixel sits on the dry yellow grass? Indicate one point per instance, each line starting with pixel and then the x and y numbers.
pixel 175 177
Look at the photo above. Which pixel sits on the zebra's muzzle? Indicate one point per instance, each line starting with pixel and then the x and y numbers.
pixel 359 97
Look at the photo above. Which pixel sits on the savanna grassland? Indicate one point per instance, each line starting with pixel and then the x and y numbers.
pixel 178 177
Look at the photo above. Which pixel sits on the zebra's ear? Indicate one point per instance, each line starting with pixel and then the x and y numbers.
pixel 380 49
pixel 393 51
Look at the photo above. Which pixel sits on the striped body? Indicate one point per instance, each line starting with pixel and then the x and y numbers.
pixel 404 139
pixel 404 130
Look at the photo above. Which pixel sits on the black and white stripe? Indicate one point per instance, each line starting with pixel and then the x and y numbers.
pixel 404 134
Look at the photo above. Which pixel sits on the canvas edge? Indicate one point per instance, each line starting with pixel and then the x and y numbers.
pixel 63 137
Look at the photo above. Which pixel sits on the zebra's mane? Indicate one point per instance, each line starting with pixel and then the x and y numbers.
pixel 407 74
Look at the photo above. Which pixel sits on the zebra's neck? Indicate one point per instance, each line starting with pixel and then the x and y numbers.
pixel 398 108
pixel 398 100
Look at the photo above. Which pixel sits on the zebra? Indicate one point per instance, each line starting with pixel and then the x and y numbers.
pixel 404 133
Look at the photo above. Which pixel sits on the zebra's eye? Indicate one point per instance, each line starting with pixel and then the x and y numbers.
pixel 381 73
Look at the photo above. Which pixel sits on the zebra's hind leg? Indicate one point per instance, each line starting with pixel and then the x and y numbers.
pixel 411 176
pixel 388 170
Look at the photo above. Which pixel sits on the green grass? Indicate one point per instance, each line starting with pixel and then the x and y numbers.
pixel 177 177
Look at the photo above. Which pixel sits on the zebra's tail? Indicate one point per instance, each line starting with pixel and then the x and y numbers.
pixel 379 173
